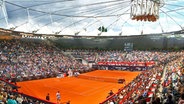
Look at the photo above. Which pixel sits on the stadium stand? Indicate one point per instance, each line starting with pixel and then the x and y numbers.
pixel 31 59
pixel 28 59
pixel 145 88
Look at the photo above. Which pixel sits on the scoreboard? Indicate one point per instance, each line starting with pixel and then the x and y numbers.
pixel 128 47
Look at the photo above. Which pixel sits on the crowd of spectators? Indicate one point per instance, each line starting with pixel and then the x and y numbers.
pixel 121 56
pixel 20 58
pixel 128 56
pixel 88 55
pixel 173 82
pixel 147 86
pixel 122 60
pixel 26 58
pixel 8 95
pixel 137 90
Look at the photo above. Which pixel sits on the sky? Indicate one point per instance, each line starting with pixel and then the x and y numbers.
pixel 84 17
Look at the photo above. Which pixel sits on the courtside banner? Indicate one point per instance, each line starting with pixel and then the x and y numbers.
pixel 148 63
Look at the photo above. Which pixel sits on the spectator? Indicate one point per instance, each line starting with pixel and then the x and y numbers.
pixel 48 97
pixel 169 100
pixel 19 99
pixel 11 100
pixel 25 101
pixel 157 101
pixel 181 100
pixel 111 93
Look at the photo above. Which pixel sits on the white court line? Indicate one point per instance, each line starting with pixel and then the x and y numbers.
pixel 89 92
pixel 76 92
pixel 103 90
pixel 92 90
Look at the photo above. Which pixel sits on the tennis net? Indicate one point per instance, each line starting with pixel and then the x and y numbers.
pixel 102 78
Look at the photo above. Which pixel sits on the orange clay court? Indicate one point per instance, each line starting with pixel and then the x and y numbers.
pixel 84 90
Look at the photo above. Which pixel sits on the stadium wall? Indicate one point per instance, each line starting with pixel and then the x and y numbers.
pixel 139 43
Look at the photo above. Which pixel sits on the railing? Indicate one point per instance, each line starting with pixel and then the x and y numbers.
pixel 110 97
pixel 33 98
pixel 14 86
pixel 129 93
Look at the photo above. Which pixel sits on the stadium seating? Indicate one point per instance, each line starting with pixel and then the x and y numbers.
pixel 29 59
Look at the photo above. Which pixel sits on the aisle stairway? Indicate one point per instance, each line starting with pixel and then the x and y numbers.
pixel 162 81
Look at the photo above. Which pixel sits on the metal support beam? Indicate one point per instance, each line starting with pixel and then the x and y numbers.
pixel 51 20
pixel 28 15
pixel 3 7
pixel 28 20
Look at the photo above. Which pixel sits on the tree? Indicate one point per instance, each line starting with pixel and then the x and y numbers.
pixel 102 29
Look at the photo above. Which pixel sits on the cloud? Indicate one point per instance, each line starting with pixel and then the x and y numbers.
pixel 169 21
